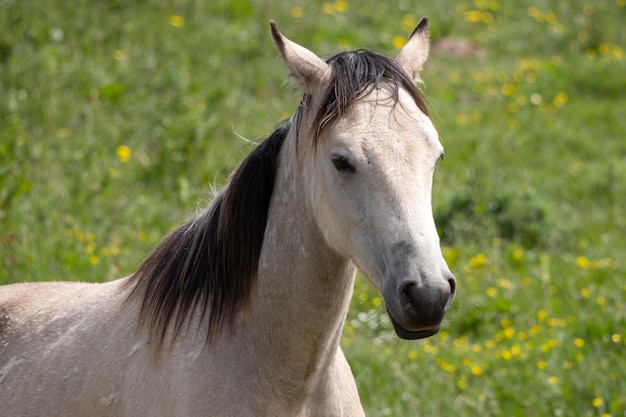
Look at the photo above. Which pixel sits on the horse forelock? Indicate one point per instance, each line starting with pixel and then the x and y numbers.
pixel 211 262
pixel 355 74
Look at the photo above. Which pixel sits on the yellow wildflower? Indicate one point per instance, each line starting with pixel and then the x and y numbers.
pixel 478 260
pixel 123 153
pixel 475 16
pixel 297 12
pixel 408 22
pixel 551 18
pixel 399 41
pixel 560 100
pixel 341 6
pixel 476 370
pixel 177 21
pixel 583 262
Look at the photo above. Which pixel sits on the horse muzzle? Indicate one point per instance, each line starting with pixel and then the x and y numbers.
pixel 417 308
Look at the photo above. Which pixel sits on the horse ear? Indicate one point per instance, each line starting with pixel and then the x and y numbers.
pixel 413 55
pixel 309 69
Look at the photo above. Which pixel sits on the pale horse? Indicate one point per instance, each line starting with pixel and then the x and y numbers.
pixel 239 312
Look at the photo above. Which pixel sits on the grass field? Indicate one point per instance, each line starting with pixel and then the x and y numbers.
pixel 117 119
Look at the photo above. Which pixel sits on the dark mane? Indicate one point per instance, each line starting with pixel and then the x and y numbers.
pixel 355 75
pixel 211 262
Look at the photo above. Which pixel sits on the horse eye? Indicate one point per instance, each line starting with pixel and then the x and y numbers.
pixel 342 164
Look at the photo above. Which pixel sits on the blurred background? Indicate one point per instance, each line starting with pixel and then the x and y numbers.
pixel 118 119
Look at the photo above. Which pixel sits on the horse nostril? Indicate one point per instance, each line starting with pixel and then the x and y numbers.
pixel 406 296
pixel 452 283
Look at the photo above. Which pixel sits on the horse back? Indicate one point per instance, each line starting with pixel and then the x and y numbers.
pixel 48 309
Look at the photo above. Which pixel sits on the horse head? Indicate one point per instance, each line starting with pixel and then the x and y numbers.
pixel 368 150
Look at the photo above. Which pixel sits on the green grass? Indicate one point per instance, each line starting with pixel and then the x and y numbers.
pixel 530 200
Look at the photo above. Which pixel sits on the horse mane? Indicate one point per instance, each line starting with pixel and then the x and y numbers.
pixel 355 74
pixel 211 262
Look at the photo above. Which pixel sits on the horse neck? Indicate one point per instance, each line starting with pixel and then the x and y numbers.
pixel 304 287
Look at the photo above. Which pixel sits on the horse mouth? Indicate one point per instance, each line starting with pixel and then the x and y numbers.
pixel 413 335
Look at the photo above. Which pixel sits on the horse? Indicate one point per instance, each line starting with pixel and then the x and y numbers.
pixel 240 310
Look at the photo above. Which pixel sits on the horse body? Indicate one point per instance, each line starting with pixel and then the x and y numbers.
pixel 347 185
pixel 74 351
pixel 74 348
